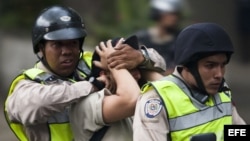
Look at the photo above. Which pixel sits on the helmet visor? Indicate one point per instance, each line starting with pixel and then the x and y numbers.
pixel 65 34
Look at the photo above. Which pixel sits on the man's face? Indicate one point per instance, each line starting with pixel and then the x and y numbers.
pixel 169 20
pixel 62 56
pixel 212 70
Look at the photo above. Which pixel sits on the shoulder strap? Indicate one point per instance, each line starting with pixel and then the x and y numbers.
pixel 83 67
pixel 98 135
pixel 40 76
pixel 85 63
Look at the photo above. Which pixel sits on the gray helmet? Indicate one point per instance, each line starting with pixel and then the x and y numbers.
pixel 199 40
pixel 158 7
pixel 166 5
pixel 58 23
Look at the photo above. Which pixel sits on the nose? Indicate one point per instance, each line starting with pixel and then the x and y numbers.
pixel 66 50
pixel 220 71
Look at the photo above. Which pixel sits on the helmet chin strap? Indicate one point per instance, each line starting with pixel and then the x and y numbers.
pixel 202 95
pixel 45 63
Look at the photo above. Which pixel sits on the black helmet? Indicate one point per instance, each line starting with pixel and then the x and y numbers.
pixel 199 40
pixel 58 23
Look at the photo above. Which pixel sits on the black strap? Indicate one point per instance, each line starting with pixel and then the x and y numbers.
pixel 97 136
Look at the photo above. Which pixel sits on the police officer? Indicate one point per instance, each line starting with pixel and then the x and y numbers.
pixel 37 104
pixel 167 15
pixel 194 99
pixel 38 100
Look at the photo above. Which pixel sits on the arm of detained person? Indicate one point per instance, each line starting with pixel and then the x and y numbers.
pixel 121 104
pixel 33 103
pixel 145 58
pixel 237 119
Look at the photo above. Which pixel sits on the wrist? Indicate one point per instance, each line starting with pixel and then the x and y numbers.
pixel 97 84
pixel 141 57
pixel 145 56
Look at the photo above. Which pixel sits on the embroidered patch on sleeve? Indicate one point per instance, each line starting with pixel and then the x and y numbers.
pixel 152 107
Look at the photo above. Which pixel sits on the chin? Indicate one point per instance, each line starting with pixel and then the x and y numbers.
pixel 212 92
pixel 66 74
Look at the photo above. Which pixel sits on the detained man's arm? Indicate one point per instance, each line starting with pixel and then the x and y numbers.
pixel 122 103
pixel 237 119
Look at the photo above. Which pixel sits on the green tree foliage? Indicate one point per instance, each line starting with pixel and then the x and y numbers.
pixel 20 14
pixel 107 19
pixel 120 18
pixel 104 18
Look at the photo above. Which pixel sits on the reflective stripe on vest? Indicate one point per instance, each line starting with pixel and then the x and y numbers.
pixel 59 126
pixel 186 114
pixel 85 64
pixel 16 128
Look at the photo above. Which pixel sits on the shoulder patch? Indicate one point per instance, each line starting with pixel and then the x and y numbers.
pixel 152 107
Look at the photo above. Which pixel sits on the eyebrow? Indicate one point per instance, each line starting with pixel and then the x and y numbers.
pixel 213 62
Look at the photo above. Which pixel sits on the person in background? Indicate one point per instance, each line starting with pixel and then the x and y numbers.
pixel 167 15
pixel 194 101
pixel 106 115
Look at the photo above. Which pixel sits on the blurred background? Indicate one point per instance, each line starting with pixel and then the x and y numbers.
pixel 106 19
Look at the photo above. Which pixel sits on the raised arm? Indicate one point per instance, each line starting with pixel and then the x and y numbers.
pixel 122 103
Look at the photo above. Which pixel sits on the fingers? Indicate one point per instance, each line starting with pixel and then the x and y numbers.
pixel 122 66
pixel 109 44
pixel 118 64
pixel 106 51
pixel 119 42
pixel 120 58
pixel 99 64
pixel 120 47
pixel 102 46
pixel 116 54
pixel 113 64
pixel 97 49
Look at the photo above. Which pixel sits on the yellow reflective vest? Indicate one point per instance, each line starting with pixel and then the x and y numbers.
pixel 186 116
pixel 60 129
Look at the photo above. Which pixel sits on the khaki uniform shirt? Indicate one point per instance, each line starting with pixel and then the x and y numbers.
pixel 32 103
pixel 158 63
pixel 86 118
pixel 157 128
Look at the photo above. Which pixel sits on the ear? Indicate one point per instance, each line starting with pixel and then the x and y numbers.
pixel 186 69
pixel 41 48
